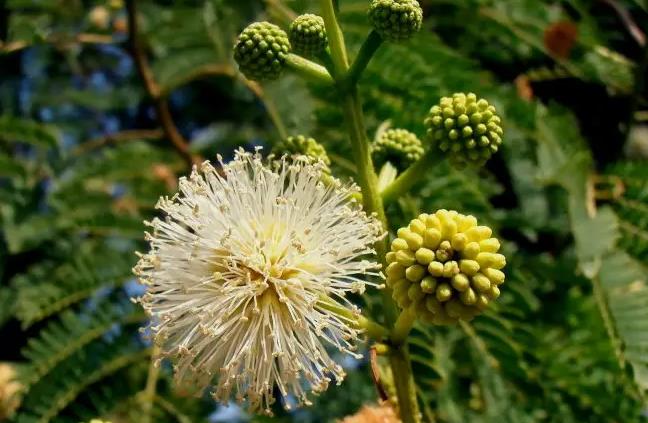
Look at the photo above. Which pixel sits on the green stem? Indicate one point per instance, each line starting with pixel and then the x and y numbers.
pixel 367 178
pixel 327 61
pixel 336 39
pixel 374 330
pixel 308 69
pixel 368 181
pixel 372 201
pixel 369 47
pixel 411 176
pixel 148 395
pixel 404 383
pixel 403 326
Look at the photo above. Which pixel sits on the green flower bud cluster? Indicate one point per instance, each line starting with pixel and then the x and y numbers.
pixel 261 51
pixel 396 20
pixel 397 146
pixel 301 145
pixel 466 128
pixel 446 266
pixel 307 35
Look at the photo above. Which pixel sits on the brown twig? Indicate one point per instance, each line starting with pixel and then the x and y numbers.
pixel 58 40
pixel 153 89
pixel 375 374
pixel 602 187
pixel 117 137
pixel 628 22
pixel 227 70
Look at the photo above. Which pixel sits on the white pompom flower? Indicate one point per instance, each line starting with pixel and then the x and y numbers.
pixel 247 278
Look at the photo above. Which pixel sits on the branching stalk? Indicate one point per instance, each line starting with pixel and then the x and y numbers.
pixel 153 89
pixel 411 176
pixel 369 47
pixel 401 368
pixel 308 69
pixel 346 82
pixel 336 38
pixel 403 326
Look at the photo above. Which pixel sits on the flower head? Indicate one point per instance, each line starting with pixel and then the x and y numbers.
pixel 399 146
pixel 465 128
pixel 301 145
pixel 261 51
pixel 446 266
pixel 247 276
pixel 396 20
pixel 307 34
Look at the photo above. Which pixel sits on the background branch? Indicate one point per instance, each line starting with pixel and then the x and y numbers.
pixel 153 89
pixel 117 137
pixel 59 41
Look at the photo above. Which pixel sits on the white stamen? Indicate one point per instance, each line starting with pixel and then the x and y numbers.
pixel 237 271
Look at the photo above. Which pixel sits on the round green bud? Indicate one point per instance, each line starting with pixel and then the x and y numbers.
pixel 396 20
pixel 261 51
pixel 308 35
pixel 467 129
pixel 445 265
pixel 301 145
pixel 400 147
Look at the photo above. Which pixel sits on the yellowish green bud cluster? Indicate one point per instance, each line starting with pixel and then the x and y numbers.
pixel 397 146
pixel 307 35
pixel 261 51
pixel 466 128
pixel 303 146
pixel 446 266
pixel 396 20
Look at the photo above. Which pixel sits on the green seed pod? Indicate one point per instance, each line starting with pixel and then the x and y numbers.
pixel 261 51
pixel 446 266
pixel 307 35
pixel 467 129
pixel 301 145
pixel 396 20
pixel 400 147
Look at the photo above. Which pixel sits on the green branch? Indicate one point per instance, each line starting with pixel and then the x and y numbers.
pixel 149 393
pixel 403 326
pixel 308 69
pixel 401 368
pixel 375 330
pixel 411 176
pixel 371 198
pixel 335 36
pixel 367 178
pixel 369 47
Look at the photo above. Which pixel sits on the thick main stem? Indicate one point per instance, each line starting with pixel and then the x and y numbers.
pixel 367 178
pixel 372 201
pixel 401 368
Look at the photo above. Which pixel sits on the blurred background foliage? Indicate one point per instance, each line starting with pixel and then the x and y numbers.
pixel 97 111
